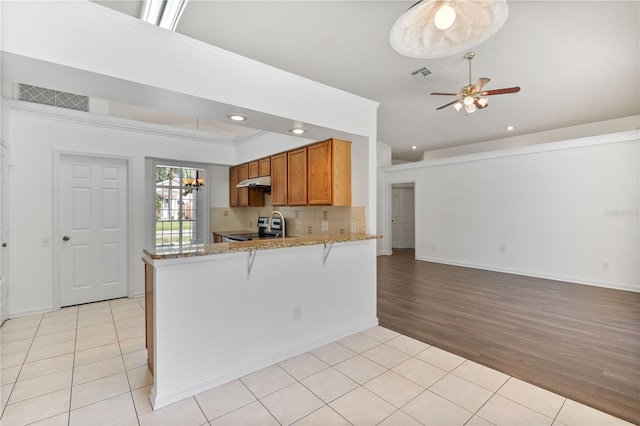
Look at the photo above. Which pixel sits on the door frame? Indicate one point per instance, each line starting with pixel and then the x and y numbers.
pixel 405 187
pixel 56 211
pixel 388 213
pixel 5 178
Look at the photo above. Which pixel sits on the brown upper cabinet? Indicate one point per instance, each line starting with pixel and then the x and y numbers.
pixel 316 174
pixel 233 191
pixel 329 173
pixel 265 167
pixel 297 177
pixel 279 180
pixel 247 196
pixel 254 169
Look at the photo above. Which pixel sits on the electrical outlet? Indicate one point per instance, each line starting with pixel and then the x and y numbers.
pixel 354 227
pixel 46 242
pixel 297 313
pixel 225 213
pixel 310 229
pixel 605 266
pixel 298 224
pixel 325 225
pixel 325 214
pixel 364 221
pixel 433 247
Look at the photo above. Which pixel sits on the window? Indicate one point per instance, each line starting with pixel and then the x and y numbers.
pixel 180 206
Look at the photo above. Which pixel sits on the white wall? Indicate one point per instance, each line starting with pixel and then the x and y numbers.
pixel 33 138
pixel 558 211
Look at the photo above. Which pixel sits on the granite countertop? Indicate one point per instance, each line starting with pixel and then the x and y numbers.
pixel 251 245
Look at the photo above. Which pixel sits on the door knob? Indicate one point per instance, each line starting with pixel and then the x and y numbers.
pixel 66 238
pixel 4 244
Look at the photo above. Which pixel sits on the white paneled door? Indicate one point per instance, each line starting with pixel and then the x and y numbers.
pixel 403 212
pixel 93 229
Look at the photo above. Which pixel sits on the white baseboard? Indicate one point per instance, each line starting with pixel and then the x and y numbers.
pixel 573 280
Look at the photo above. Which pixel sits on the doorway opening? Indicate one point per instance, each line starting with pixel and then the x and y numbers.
pixel 403 216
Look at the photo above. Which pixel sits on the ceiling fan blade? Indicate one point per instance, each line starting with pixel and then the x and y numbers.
pixel 500 91
pixel 446 105
pixel 445 94
pixel 480 84
pixel 478 104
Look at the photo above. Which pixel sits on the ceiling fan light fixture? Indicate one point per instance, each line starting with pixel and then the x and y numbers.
pixel 444 17
pixel 458 106
pixel 483 102
pixel 417 34
pixel 470 108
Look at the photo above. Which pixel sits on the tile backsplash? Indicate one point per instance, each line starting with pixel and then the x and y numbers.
pixel 301 220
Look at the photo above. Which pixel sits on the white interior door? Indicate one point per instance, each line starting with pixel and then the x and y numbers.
pixel 402 217
pixel 93 229
pixel 4 232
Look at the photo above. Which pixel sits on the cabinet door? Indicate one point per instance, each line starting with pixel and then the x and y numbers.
pixel 297 177
pixel 243 193
pixel 233 191
pixel 340 172
pixel 319 183
pixel 279 180
pixel 254 169
pixel 265 167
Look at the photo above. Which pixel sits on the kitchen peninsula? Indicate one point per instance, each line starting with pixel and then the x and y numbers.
pixel 220 311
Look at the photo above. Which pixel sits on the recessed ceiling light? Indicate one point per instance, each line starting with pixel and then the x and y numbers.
pixel 298 131
pixel 414 147
pixel 236 117
pixel 510 128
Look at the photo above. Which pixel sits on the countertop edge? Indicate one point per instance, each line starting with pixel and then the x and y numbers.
pixel 246 246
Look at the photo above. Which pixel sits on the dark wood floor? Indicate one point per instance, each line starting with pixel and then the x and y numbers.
pixel 579 341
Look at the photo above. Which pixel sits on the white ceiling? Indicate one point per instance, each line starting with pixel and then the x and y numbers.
pixel 576 61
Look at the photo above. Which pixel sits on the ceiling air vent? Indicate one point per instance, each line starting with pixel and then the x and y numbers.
pixel 420 74
pixel 40 95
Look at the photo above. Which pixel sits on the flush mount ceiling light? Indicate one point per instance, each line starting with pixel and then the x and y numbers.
pixel 437 28
pixel 298 131
pixel 163 13
pixel 237 117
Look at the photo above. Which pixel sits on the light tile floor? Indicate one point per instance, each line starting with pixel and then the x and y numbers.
pixel 86 365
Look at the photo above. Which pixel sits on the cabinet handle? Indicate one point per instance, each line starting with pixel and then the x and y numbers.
pixel 66 238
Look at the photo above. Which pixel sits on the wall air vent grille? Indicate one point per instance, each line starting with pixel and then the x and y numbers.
pixel 40 95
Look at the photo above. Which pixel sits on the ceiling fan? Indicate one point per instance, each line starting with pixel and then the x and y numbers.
pixel 472 97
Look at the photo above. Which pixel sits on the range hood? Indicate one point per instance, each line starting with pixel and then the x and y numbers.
pixel 260 182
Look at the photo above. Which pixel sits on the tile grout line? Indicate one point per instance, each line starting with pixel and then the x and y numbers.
pixel 135 409
pixel 73 366
pixel 21 367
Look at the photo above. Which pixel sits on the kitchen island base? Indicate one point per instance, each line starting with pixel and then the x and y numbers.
pixel 213 322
